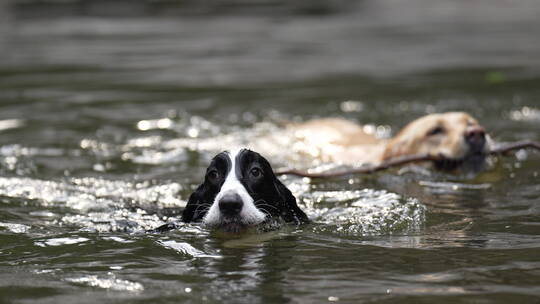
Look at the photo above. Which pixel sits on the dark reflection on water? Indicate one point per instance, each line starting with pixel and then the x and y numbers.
pixel 107 125
pixel 138 8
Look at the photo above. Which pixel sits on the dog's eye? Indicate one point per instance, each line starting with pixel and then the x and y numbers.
pixel 435 131
pixel 255 172
pixel 213 175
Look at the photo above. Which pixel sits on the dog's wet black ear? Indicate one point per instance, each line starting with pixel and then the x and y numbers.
pixel 290 212
pixel 195 210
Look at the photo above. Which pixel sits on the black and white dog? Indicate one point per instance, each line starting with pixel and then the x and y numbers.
pixel 239 191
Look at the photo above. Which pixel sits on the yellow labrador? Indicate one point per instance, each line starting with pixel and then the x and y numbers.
pixel 456 139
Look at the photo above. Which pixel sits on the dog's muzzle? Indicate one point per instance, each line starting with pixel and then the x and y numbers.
pixel 230 205
pixel 476 139
pixel 475 158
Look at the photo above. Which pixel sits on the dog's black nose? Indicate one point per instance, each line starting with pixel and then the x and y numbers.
pixel 230 204
pixel 476 137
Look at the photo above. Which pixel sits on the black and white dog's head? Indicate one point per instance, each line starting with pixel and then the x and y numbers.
pixel 240 190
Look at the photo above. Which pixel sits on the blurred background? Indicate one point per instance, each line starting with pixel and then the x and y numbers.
pixel 226 42
pixel 88 69
pixel 110 111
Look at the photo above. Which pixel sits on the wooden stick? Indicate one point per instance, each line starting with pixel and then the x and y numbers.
pixel 505 148
pixel 399 161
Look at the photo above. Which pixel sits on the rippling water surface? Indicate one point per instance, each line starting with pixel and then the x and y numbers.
pixel 107 125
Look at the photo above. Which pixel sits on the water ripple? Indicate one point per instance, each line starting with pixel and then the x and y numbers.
pixel 61 241
pixel 110 282
pixel 364 212
pixel 186 249
pixel 15 228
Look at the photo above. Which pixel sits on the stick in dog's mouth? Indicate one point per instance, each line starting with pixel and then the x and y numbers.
pixel 474 162
pixel 475 159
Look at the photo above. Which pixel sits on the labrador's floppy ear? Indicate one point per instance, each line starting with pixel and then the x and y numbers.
pixel 290 212
pixel 195 209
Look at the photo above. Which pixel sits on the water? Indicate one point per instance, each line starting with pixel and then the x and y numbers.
pixel 107 124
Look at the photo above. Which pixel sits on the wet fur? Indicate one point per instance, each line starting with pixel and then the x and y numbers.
pixel 268 194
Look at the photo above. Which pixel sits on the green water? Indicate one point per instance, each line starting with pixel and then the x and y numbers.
pixel 108 123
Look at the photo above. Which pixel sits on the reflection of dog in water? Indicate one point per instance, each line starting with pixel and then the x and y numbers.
pixel 455 139
pixel 239 191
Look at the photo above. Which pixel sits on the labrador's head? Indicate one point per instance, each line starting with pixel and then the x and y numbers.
pixel 456 139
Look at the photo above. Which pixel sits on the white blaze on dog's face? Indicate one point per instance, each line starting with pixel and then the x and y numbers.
pixel 240 190
pixel 452 136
